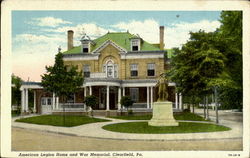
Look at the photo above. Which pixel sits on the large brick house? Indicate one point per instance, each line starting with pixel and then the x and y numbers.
pixel 113 65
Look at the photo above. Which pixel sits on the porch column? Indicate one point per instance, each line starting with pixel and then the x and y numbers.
pixel 85 92
pixel 27 100
pixel 176 101
pixel 180 101
pixel 147 97
pixel 151 97
pixel 90 90
pixel 123 91
pixel 57 102
pixel 34 102
pixel 107 99
pixel 119 98
pixel 53 101
pixel 23 100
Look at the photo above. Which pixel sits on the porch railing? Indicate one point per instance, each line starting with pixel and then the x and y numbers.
pixel 98 75
pixel 71 105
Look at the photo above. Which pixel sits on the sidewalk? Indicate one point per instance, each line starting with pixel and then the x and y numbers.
pixel 95 130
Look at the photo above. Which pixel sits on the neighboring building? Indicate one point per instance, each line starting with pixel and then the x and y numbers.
pixel 113 65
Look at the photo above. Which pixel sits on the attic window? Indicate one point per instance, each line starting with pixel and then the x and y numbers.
pixel 85 48
pixel 135 45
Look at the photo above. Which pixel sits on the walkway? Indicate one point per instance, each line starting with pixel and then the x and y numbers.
pixel 95 130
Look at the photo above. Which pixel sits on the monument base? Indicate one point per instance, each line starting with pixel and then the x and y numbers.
pixel 163 115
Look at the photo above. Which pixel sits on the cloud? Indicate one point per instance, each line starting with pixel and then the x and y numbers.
pixel 91 29
pixel 147 29
pixel 178 34
pixel 49 21
pixel 174 36
pixel 30 54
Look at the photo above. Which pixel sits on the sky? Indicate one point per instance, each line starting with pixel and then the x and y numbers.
pixel 36 35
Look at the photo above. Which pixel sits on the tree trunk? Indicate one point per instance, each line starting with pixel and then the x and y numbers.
pixel 204 108
pixel 207 118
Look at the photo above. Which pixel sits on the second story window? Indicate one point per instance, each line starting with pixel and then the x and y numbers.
pixel 135 45
pixel 151 69
pixel 134 70
pixel 85 48
pixel 86 71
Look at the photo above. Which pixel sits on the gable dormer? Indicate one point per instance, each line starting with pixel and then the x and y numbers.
pixel 86 44
pixel 135 43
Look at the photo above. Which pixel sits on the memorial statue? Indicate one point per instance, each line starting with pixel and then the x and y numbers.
pixel 162 88
pixel 162 109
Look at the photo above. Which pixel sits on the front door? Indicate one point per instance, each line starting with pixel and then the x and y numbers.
pixel 112 98
pixel 46 105
pixel 112 101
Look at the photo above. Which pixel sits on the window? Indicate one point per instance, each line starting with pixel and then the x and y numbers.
pixel 46 101
pixel 71 98
pixel 86 71
pixel 85 48
pixel 151 69
pixel 110 69
pixel 49 101
pixel 43 102
pixel 134 70
pixel 134 94
pixel 135 45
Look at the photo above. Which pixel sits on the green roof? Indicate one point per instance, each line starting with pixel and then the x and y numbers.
pixel 122 39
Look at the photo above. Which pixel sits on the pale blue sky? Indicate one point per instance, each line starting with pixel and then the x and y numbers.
pixel 107 18
pixel 36 35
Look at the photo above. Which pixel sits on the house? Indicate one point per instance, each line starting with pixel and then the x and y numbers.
pixel 113 65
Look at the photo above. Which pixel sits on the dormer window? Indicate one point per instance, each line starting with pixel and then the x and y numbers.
pixel 135 44
pixel 85 47
pixel 85 40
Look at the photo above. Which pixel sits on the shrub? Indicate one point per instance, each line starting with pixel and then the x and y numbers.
pixel 91 101
pixel 126 101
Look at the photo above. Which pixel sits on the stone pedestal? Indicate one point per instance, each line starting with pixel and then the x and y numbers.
pixel 163 115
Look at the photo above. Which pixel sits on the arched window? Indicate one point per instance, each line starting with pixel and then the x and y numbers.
pixel 110 69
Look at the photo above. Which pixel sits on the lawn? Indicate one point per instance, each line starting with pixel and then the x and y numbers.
pixel 179 116
pixel 58 120
pixel 144 128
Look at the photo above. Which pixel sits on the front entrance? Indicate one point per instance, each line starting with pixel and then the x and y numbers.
pixel 112 98
pixel 46 105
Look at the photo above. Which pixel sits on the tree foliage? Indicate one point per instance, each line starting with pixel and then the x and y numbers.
pixel 60 79
pixel 126 101
pixel 15 90
pixel 91 101
pixel 212 59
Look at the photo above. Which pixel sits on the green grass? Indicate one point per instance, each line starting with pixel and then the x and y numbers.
pixel 181 116
pixel 184 127
pixel 57 120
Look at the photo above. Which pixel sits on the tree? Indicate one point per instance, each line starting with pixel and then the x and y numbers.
pixel 15 90
pixel 230 43
pixel 199 63
pixel 212 59
pixel 126 101
pixel 60 80
pixel 91 101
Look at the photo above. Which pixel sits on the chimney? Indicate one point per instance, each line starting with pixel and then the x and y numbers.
pixel 161 37
pixel 70 39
